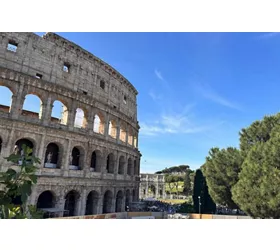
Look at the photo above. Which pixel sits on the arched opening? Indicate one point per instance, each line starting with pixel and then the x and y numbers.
pixel 107 202
pixel 32 107
pixel 96 161
pixel 1 144
pixel 135 167
pixel 121 165
pixel 6 99
pixel 51 156
pixel 130 138
pixel 119 202
pixel 75 159
pixel 152 191
pixel 19 150
pixel 59 113
pixel 135 141
pixel 122 134
pixel 110 163
pixel 98 126
pixel 112 129
pixel 71 201
pixel 144 191
pixel 80 119
pixel 92 203
pixel 93 161
pixel 46 200
pixel 127 200
pixel 129 167
pixel 160 193
pixel 133 195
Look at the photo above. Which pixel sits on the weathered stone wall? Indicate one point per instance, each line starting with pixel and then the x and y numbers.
pixel 148 181
pixel 80 87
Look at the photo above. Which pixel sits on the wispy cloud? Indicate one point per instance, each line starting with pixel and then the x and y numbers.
pixel 159 75
pixel 154 96
pixel 268 35
pixel 172 124
pixel 207 92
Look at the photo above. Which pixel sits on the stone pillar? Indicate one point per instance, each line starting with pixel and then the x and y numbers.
pixel 10 143
pixel 46 112
pixel 90 121
pixel 17 104
pixel 41 154
pixel 65 160
pixel 82 203
pixel 60 204
pixel 118 131
pixel 106 126
pixel 126 135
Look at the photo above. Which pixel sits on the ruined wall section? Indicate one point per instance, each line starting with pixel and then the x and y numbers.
pixel 48 54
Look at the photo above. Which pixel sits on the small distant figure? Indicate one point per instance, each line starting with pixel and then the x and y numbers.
pixel 127 208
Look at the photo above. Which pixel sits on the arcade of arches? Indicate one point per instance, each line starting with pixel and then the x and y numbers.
pixel 71 204
pixel 55 152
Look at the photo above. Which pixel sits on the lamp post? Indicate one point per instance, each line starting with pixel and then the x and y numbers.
pixel 199 204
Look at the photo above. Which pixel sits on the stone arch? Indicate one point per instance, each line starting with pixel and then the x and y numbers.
pixel 130 137
pixel 121 165
pixel 76 160
pixel 123 133
pixel 71 203
pixel 127 199
pixel 32 106
pixel 112 131
pixel 80 118
pixel 52 156
pixel 59 112
pixel 152 190
pixel 96 161
pixel 119 201
pixel 107 202
pixel 92 203
pixel 129 166
pixel 134 195
pixel 110 164
pixel 135 141
pixel 6 99
pixel 99 123
pixel 18 148
pixel 46 199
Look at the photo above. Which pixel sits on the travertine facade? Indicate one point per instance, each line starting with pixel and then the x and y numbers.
pixel 88 167
pixel 152 186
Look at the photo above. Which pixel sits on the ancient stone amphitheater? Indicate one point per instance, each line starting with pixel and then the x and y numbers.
pixel 89 151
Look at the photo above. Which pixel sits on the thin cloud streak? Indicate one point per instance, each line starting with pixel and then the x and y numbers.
pixel 159 75
pixel 213 96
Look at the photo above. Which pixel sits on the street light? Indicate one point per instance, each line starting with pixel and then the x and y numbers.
pixel 199 204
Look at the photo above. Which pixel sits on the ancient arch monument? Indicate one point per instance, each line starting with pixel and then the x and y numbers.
pixel 89 150
pixel 152 186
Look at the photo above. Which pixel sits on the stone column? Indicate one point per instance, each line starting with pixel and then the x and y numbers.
pixel 65 159
pixel 118 128
pixel 126 135
pixel 82 203
pixel 17 104
pixel 106 126
pixel 46 112
pixel 60 204
pixel 90 121
pixel 41 154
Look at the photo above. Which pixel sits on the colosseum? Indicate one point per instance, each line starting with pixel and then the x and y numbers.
pixel 89 152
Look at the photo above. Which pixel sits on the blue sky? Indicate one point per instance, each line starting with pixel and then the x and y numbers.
pixel 196 90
